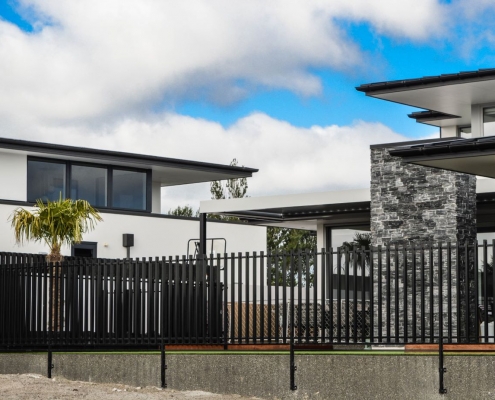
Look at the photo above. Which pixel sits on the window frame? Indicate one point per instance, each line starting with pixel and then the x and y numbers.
pixel 55 161
pixel 109 187
pixel 84 164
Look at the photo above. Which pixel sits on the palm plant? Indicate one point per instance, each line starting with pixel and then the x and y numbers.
pixel 361 243
pixel 55 223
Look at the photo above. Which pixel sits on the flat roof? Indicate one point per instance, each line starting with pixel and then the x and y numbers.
pixel 472 156
pixel 167 171
pixel 299 211
pixel 446 98
pixel 343 208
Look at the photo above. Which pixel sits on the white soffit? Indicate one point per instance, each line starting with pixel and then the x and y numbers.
pixel 166 175
pixel 285 201
pixel 455 99
pixel 482 165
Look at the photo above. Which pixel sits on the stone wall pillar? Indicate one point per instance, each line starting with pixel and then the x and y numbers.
pixel 416 205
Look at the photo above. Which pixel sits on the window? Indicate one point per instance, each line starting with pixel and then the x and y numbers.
pixel 464 132
pixel 90 184
pixel 129 189
pixel 45 180
pixel 489 121
pixel 101 186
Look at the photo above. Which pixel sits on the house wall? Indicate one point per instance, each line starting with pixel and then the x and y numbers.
pixel 412 204
pixel 321 236
pixel 448 131
pixel 13 176
pixel 154 235
pixel 156 198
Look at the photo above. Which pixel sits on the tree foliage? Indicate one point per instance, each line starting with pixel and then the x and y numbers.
pixel 185 211
pixel 301 243
pixel 361 241
pixel 235 188
pixel 55 223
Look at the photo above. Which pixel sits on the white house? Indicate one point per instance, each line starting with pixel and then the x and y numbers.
pixel 125 188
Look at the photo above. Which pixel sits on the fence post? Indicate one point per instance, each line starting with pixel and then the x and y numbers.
pixel 225 301
pixel 49 363
pixel 293 367
pixel 441 369
pixel 163 366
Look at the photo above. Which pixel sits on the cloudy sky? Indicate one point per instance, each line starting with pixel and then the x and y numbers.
pixel 270 83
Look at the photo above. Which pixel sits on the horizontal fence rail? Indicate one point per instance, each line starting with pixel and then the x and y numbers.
pixel 422 294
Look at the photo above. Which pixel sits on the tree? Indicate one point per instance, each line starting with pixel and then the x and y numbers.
pixel 55 223
pixel 361 241
pixel 185 211
pixel 279 240
pixel 235 188
pixel 285 241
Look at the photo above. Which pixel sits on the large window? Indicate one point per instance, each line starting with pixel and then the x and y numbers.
pixel 101 186
pixel 129 189
pixel 89 183
pixel 45 180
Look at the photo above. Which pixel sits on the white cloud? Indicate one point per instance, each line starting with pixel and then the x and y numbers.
pixel 290 159
pixel 92 60
pixel 92 70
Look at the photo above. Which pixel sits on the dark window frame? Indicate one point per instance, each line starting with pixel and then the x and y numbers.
pixel 148 191
pixel 85 245
pixel 68 173
pixel 330 228
pixel 55 161
pixel 70 164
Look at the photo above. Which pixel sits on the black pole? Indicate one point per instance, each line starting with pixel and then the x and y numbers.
pixel 441 369
pixel 163 367
pixel 293 367
pixel 49 364
pixel 202 234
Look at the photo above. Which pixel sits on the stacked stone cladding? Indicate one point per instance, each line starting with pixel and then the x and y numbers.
pixel 414 206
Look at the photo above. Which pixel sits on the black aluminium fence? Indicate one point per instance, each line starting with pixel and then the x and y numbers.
pixel 431 293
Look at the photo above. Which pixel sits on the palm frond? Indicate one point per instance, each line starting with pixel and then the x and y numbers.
pixel 55 222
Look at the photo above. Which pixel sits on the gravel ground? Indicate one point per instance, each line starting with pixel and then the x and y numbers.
pixel 32 386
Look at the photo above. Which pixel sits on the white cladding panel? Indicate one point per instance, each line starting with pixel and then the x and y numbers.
pixel 153 236
pixel 13 176
pixel 448 131
pixel 156 197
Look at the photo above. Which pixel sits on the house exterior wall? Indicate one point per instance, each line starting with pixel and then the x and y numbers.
pixel 153 235
pixel 156 198
pixel 412 204
pixel 13 176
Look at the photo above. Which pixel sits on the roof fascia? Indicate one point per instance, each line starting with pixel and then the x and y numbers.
pixel 378 88
pixel 116 156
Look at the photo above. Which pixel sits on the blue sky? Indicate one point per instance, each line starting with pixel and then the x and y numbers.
pixel 338 103
pixel 267 82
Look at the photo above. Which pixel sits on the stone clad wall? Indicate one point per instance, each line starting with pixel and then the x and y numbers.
pixel 416 205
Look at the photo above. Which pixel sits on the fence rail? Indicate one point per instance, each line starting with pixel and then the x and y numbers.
pixel 385 295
